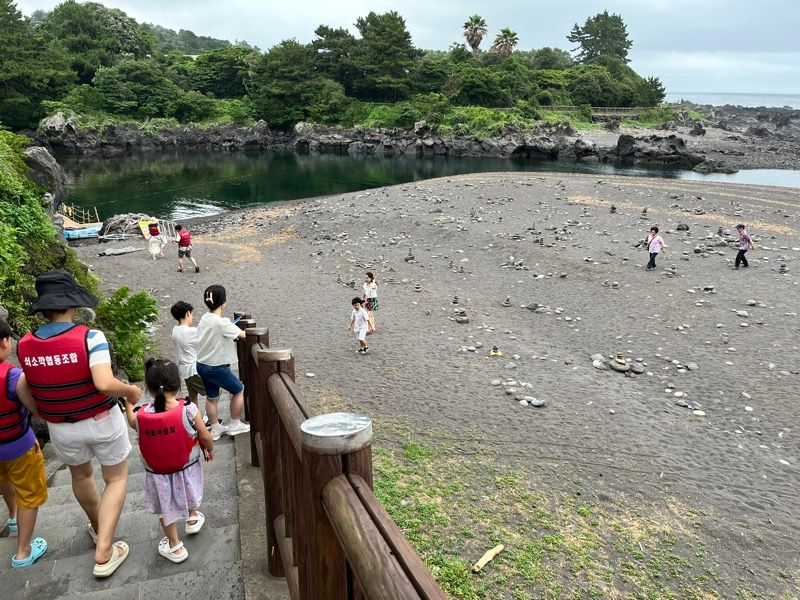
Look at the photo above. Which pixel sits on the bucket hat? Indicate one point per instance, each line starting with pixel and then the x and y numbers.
pixel 58 290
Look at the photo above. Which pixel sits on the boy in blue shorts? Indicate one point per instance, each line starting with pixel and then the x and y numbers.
pixel 22 476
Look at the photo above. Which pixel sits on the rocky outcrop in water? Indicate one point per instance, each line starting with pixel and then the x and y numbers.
pixel 62 135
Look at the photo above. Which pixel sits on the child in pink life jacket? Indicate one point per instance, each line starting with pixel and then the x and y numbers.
pixel 169 431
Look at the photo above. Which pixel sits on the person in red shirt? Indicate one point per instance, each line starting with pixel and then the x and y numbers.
pixel 183 238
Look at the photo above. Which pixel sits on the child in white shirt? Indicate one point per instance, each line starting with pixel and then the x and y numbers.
pixel 216 352
pixel 359 323
pixel 184 342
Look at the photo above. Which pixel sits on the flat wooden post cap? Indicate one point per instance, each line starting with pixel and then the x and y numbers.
pixel 336 433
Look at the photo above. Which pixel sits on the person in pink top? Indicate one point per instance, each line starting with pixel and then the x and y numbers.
pixel 655 244
pixel 745 244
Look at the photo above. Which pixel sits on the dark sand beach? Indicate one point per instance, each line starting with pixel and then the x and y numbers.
pixel 716 438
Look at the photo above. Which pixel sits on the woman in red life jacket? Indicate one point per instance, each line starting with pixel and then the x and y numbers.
pixel 183 238
pixel 169 431
pixel 68 370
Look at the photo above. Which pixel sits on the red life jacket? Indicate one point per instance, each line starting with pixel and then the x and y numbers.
pixel 186 239
pixel 13 425
pixel 57 371
pixel 153 228
pixel 165 444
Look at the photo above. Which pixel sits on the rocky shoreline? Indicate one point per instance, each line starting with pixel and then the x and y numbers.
pixel 732 138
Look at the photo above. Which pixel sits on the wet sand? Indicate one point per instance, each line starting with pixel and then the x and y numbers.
pixel 626 439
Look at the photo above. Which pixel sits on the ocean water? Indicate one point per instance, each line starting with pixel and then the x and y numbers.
pixel 720 99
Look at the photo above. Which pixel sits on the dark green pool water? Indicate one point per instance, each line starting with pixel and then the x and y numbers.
pixel 195 184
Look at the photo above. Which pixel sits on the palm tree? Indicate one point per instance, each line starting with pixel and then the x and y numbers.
pixel 475 30
pixel 505 42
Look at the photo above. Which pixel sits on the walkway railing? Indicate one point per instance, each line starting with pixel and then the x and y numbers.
pixel 327 533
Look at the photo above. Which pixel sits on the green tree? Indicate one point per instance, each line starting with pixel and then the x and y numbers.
pixel 601 35
pixel 94 36
pixel 384 57
pixel 551 58
pixel 136 88
pixel 186 42
pixel 30 70
pixel 650 92
pixel 431 74
pixel 458 53
pixel 476 86
pixel 505 42
pixel 283 83
pixel 474 31
pixel 223 72
pixel 178 67
pixel 333 57
pixel 594 85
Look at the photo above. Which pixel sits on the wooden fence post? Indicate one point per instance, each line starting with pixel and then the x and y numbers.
pixel 326 440
pixel 270 361
pixel 255 336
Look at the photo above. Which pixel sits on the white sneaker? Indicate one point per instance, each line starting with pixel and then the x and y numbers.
pixel 217 430
pixel 236 427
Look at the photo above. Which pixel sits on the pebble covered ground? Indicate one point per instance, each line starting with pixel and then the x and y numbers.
pixel 679 383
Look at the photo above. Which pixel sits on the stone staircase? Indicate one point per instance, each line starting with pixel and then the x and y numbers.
pixel 213 569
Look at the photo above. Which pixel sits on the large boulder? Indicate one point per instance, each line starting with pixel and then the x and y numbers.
pixel 697 129
pixel 58 125
pixel 47 173
pixel 654 149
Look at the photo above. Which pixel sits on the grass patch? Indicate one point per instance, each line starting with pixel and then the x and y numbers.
pixel 453 509
pixel 453 503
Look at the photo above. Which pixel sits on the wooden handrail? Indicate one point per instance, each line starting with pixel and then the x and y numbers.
pixel 327 533
pixel 380 575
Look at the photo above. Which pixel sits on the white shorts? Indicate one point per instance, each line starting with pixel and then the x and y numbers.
pixel 361 334
pixel 104 437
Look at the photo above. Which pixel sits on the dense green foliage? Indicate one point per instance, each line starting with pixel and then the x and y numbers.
pixel 28 248
pixel 94 36
pixel 30 70
pixel 99 64
pixel 124 317
pixel 184 41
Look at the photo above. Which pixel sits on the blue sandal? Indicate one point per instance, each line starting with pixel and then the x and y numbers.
pixel 12 526
pixel 38 548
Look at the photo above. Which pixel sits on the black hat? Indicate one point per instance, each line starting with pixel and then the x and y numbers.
pixel 58 290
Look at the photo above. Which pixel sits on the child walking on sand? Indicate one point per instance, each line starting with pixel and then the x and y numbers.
pixel 22 475
pixel 359 323
pixel 184 342
pixel 216 352
pixel 370 298
pixel 655 243
pixel 745 244
pixel 183 238
pixel 156 242
pixel 169 431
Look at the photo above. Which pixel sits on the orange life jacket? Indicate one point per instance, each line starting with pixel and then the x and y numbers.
pixel 165 444
pixel 13 425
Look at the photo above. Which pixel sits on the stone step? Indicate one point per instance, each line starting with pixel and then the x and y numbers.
pixel 214 581
pixel 71 538
pixel 212 570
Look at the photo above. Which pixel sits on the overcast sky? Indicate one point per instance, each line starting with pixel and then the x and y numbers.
pixel 692 45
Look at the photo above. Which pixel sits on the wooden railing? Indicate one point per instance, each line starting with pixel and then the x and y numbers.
pixel 327 533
